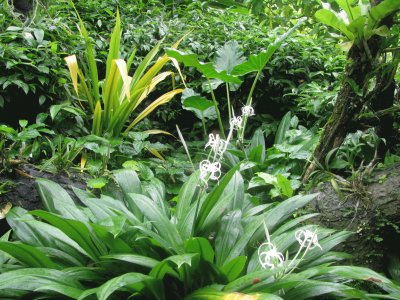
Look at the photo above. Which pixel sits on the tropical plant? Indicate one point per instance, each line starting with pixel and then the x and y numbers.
pixel 229 65
pixel 120 94
pixel 129 242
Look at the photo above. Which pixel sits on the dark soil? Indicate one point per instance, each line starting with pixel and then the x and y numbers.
pixel 23 192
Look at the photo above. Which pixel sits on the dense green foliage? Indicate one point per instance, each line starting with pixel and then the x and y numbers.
pixel 211 208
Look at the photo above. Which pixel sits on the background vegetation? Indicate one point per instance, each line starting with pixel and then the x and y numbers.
pixel 197 129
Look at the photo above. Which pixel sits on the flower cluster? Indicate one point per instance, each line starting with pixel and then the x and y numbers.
pixel 270 257
pixel 216 144
pixel 210 168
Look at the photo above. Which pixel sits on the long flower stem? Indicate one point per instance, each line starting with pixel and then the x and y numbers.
pixel 221 127
pixel 248 103
pixel 203 123
pixel 228 98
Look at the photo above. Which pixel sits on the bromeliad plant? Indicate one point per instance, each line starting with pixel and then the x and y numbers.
pixel 130 243
pixel 113 100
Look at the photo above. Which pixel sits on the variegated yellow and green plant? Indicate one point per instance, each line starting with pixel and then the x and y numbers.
pixel 115 99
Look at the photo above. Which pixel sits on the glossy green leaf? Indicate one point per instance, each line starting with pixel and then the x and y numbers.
pixel 55 199
pixel 200 106
pixel 230 229
pixel 234 268
pixel 135 259
pixel 214 197
pixel 27 255
pixel 167 230
pixel 22 281
pixel 76 231
pixel 128 279
pixel 201 246
pixel 283 127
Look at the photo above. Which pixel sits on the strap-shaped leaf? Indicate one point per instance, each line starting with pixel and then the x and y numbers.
pixel 56 200
pixel 76 231
pixel 128 279
pixel 27 255
pixel 97 122
pixel 72 64
pixel 214 197
pixel 159 101
pixel 113 52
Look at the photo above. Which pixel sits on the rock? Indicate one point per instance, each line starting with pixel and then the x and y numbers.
pixel 372 211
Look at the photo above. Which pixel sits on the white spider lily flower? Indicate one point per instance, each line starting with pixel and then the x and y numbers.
pixel 271 257
pixel 216 143
pixel 247 111
pixel 307 237
pixel 209 170
pixel 236 123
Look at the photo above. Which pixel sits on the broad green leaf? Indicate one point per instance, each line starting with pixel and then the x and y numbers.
pixel 30 279
pixel 135 259
pixel 166 229
pixel 129 279
pixel 61 289
pixel 214 197
pixel 188 194
pixel 230 229
pixel 283 210
pixel 55 199
pixel 207 69
pixel 352 11
pixel 228 57
pixel 307 289
pixel 27 255
pixel 234 268
pixel 284 185
pixel 329 18
pixel 201 246
pixel 381 11
pixel 76 231
pixel 256 62
pixel 201 107
pixel 283 127
pixel 97 183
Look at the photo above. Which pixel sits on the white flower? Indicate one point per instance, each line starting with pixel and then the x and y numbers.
pixel 216 143
pixel 271 257
pixel 209 168
pixel 247 111
pixel 307 236
pixel 236 123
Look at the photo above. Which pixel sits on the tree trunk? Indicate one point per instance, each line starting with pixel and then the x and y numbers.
pixel 349 103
